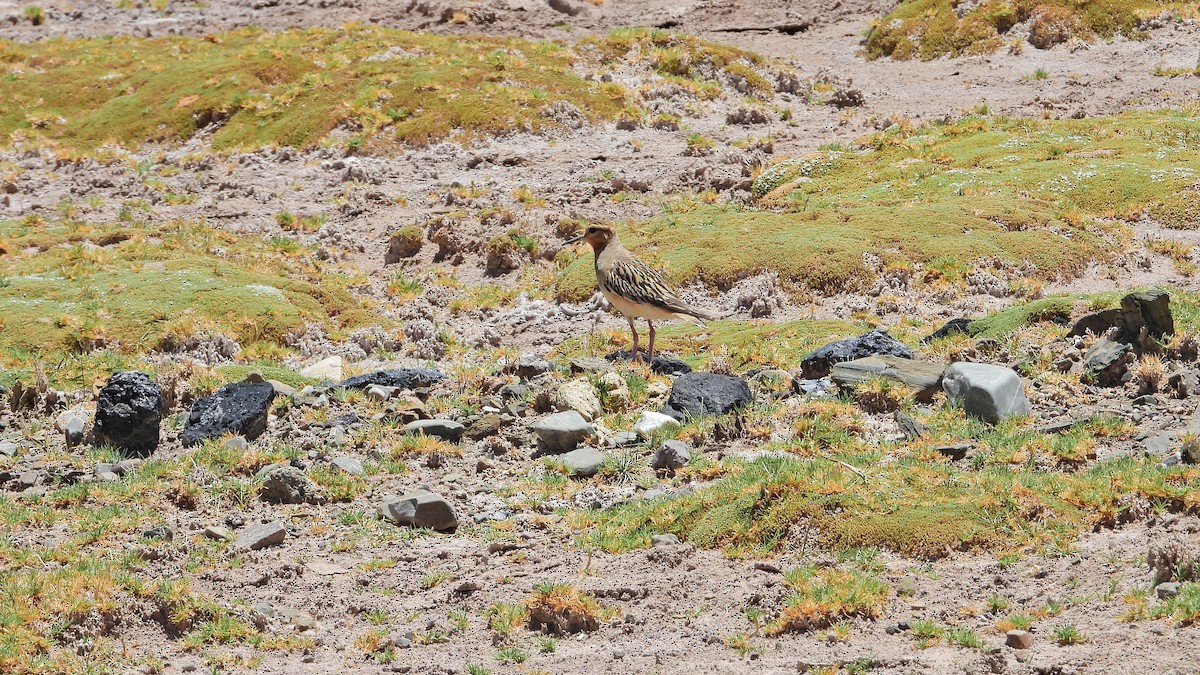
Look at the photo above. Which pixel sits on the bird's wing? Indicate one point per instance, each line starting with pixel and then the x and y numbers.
pixel 635 280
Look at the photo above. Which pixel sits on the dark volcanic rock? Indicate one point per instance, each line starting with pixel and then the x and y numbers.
pixel 951 327
pixel 402 378
pixel 663 365
pixel 129 412
pixel 1142 315
pixel 1108 362
pixel 699 394
pixel 819 363
pixel 238 408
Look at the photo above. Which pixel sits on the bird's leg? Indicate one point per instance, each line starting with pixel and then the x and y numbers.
pixel 650 351
pixel 633 355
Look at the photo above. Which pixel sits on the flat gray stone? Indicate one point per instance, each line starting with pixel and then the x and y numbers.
pixel 590 364
pixel 350 465
pixel 663 540
pixel 420 508
pixel 988 392
pixel 218 533
pixel 583 462
pixel 563 432
pixel 8 449
pixel 447 430
pixel 261 535
pixel 926 378
pixel 1167 590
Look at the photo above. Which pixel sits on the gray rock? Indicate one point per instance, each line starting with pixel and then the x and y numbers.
pixel 988 392
pixel 487 425
pixel 926 378
pixel 218 533
pixel 282 389
pixel 348 464
pixel 8 448
pixel 326 369
pixel 337 437
pixel 129 412
pixel 670 456
pixel 912 429
pixel 663 540
pixel 74 428
pixel 1109 362
pixel 621 439
pixel 161 532
pixel 529 367
pixel 420 509
pixel 1167 590
pixel 700 394
pixel 819 362
pixel 402 378
pixel 1162 444
pixel 107 476
pixel 239 408
pixel 590 364
pixel 447 430
pixel 583 462
pixel 261 535
pixel 1019 639
pixel 238 444
pixel 563 432
pixel 288 485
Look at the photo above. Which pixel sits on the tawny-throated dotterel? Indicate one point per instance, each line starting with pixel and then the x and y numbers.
pixel 633 287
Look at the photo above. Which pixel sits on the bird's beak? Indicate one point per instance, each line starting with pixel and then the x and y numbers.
pixel 576 240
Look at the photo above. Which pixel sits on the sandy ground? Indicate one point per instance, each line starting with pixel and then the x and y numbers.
pixel 677 605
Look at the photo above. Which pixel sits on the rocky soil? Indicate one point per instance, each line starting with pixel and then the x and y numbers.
pixel 295 560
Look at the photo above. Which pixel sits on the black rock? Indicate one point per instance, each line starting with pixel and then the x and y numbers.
pixel 129 413
pixel 161 532
pixel 819 362
pixel 699 394
pixel 238 408
pixel 1147 312
pixel 952 327
pixel 402 378
pixel 912 429
pixel 663 365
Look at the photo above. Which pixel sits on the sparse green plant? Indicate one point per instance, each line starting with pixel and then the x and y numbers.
pixel 1068 634
pixel 512 655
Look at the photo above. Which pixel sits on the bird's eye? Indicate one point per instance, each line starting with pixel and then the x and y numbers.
pixel 592 230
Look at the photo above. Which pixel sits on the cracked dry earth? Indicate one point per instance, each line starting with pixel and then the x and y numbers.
pixel 670 608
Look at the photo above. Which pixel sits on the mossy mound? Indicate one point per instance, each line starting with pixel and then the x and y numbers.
pixel 1039 195
pixel 928 29
pixel 292 88
pixel 911 506
pixel 71 287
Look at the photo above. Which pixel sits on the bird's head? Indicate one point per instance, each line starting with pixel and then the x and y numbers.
pixel 598 236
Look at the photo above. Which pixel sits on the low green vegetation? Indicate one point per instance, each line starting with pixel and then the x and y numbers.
pixel 291 88
pixel 928 29
pixel 369 88
pixel 918 505
pixel 819 597
pixel 1047 196
pixel 71 287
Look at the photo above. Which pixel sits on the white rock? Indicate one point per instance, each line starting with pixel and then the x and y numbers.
pixel 325 369
pixel 651 422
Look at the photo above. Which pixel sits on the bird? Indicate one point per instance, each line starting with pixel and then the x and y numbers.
pixel 634 288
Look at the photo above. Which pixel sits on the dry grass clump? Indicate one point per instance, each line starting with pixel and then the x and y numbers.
pixel 818 598
pixel 1150 374
pixel 881 395
pixel 561 609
